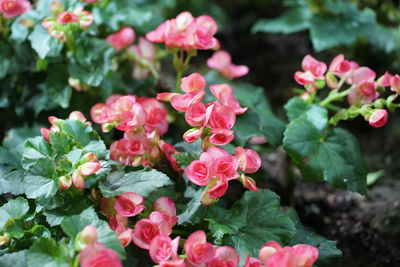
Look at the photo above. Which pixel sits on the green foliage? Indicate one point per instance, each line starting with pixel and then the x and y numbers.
pixel 46 251
pixel 13 210
pixel 143 182
pixel 252 221
pixel 331 24
pixel 322 153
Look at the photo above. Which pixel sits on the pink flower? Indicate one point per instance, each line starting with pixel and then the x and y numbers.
pixel 166 206
pixel 362 75
pixel 364 93
pixel 122 39
pixel 225 257
pixel 339 65
pixel 145 51
pixel 130 150
pixel 395 83
pixel 125 236
pixel 186 32
pixel 146 229
pixel 182 102
pixel 267 250
pixel 252 262
pixel 218 189
pixel 378 118
pixel 195 114
pixel 156 115
pixel 13 8
pixel 313 70
pixel 97 255
pixel 198 173
pixel 193 83
pixel 249 183
pixel 169 150
pixel 221 137
pixel 67 17
pixel 129 204
pixel 90 1
pixel 222 116
pixel 305 255
pixel 384 80
pixel 198 250
pixel 224 93
pixel 249 160
pixel 221 61
pixel 220 163
pixel 162 248
pixel 116 222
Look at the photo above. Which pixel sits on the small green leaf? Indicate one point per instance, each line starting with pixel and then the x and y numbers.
pixel 35 149
pixel 13 210
pixel 59 141
pixel 42 42
pixel 192 208
pixel 79 131
pixel 16 259
pixel 141 182
pixel 295 107
pixel 184 159
pixel 40 181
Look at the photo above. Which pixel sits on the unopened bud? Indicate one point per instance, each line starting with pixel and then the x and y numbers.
pixel 65 182
pixel 77 180
pixel 56 7
pixel 89 168
pixel 89 234
pixel 4 239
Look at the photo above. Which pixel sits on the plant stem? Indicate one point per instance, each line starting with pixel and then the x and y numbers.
pixel 179 75
pixel 334 95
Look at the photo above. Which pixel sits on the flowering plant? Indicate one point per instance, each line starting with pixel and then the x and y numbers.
pixel 167 174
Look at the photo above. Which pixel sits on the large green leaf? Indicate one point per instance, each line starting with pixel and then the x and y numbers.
pixel 141 182
pixel 294 20
pixel 11 172
pixel 295 107
pixel 46 252
pixel 251 222
pixel 75 224
pixel 324 154
pixel 43 43
pixel 35 149
pixel 13 210
pixel 79 131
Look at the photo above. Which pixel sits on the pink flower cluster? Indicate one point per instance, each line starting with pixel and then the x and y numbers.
pixel 186 32
pixel 216 167
pixel 59 24
pixel 94 253
pixel 273 255
pixel 222 61
pixel 143 120
pixel 87 166
pixel 14 8
pixel 213 123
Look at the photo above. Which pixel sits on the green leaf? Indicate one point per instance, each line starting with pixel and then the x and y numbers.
pixel 43 43
pixel 295 107
pixel 184 159
pixel 329 255
pixel 59 141
pixel 40 180
pixel 46 252
pixel 16 259
pixel 56 85
pixel 13 210
pixel 35 149
pixel 79 131
pixel 75 224
pixel 11 173
pixel 324 154
pixel 193 208
pixel 294 20
pixel 142 182
pixel 251 222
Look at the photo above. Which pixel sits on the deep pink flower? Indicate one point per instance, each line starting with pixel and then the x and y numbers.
pixel 305 255
pixel 252 262
pixel 197 249
pixel 173 263
pixel 130 150
pixel 222 61
pixel 182 102
pixel 195 114
pixel 122 38
pixel 13 8
pixel 317 68
pixel 97 255
pixel 249 160
pixel 364 93
pixel 166 205
pixel 156 115
pixel 249 183
pixel 125 236
pixel 225 257
pixel 129 204
pixel 218 189
pixel 222 116
pixel 198 173
pixel 220 163
pixel 163 248
pixel 67 17
pixel 339 65
pixel 304 78
pixel 146 229
pixel 378 118
pixel 221 137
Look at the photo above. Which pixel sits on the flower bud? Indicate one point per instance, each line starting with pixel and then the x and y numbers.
pixel 378 118
pixel 77 180
pixel 65 182
pixel 248 183
pixel 89 168
pixel 89 156
pixel 56 7
pixel 67 17
pixel 4 239
pixel 89 234
pixel 45 134
pixel 192 135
